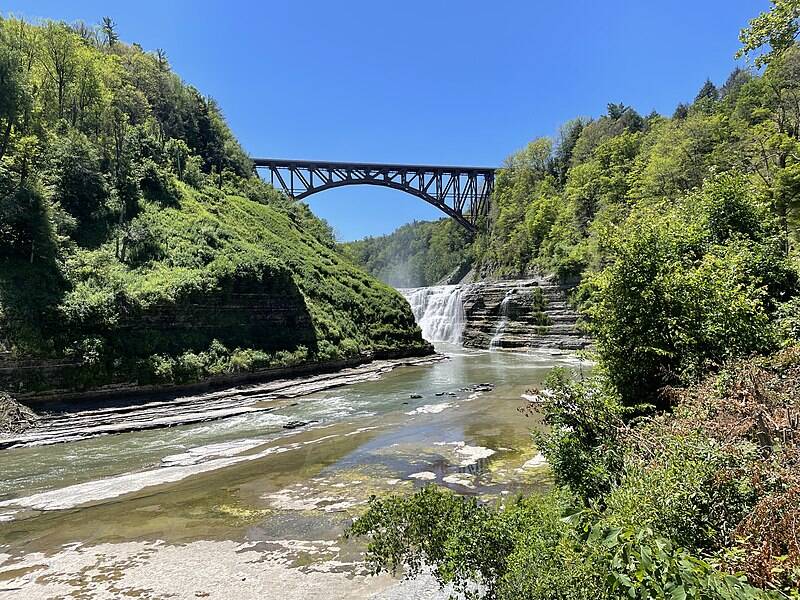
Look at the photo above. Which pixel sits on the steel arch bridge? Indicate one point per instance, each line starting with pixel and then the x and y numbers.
pixel 461 192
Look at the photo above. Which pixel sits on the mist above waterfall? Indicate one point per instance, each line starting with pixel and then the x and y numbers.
pixel 439 311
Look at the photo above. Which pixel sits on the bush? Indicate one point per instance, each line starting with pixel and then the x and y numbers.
pixel 158 185
pixel 689 287
pixel 523 551
pixel 584 418
pixel 534 548
pixel 688 488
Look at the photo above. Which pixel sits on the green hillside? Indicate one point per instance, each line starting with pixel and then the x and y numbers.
pixel 416 254
pixel 135 238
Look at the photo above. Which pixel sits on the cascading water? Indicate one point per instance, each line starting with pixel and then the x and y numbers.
pixel 494 344
pixel 439 311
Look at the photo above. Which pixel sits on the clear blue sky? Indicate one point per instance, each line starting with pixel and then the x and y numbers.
pixel 431 81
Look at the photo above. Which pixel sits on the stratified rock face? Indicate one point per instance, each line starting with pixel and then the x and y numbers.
pixel 520 315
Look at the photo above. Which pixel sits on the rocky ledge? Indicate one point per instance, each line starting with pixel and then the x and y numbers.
pixel 72 421
pixel 520 315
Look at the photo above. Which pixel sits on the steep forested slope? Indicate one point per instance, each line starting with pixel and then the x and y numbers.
pixel 136 240
pixel 558 203
pixel 416 254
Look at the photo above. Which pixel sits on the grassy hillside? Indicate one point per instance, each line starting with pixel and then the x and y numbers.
pixel 136 239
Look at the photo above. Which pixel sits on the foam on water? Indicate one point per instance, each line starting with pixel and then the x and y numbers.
pixel 430 409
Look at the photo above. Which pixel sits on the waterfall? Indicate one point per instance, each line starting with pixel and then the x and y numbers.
pixel 439 311
pixel 494 344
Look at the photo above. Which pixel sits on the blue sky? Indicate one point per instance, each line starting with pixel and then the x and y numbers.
pixel 423 81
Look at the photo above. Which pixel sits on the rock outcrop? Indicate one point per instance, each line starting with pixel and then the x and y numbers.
pixel 520 315
pixel 15 417
pixel 69 421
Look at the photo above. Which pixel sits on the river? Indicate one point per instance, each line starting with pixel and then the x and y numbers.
pixel 246 508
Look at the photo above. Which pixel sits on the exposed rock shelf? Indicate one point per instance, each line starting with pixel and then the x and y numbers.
pixel 119 415
pixel 520 315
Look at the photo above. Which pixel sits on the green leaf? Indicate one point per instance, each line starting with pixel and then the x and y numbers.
pixel 678 593
pixel 611 538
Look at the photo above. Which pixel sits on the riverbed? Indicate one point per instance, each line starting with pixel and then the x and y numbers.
pixel 243 507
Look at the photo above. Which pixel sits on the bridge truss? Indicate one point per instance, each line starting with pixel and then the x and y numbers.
pixel 461 192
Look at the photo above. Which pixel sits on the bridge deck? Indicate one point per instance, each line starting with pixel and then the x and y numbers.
pixel 330 164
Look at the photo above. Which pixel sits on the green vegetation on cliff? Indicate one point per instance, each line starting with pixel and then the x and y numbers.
pixel 417 254
pixel 136 239
pixel 558 203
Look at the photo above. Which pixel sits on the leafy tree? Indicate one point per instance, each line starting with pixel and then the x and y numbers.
pixel 681 112
pixel 75 176
pixel 569 134
pixel 707 92
pixel 776 28
pixel 59 60
pixel 14 96
pixel 684 290
pixel 734 83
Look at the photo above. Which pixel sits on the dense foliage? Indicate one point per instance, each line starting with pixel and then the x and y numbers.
pixel 417 254
pixel 690 283
pixel 556 204
pixel 683 232
pixel 135 237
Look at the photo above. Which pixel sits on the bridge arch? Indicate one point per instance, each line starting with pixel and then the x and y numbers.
pixel 462 193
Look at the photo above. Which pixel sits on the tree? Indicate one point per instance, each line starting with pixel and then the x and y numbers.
pixel 771 110
pixel 690 285
pixel 681 112
pixel 75 176
pixel 13 93
pixel 734 82
pixel 707 92
pixel 86 32
pixel 108 28
pixel 776 28
pixel 567 138
pixel 161 60
pixel 59 59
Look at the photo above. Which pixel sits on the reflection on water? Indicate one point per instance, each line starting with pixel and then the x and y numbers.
pixel 248 478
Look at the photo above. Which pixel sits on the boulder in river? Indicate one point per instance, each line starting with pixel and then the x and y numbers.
pixel 15 417
pixel 296 424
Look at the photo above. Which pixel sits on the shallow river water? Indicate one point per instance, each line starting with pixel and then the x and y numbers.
pixel 242 507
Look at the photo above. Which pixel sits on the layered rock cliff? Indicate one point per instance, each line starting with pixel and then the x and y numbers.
pixel 520 315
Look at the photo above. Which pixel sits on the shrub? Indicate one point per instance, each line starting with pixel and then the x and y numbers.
pixel 688 288
pixel 158 185
pixel 584 418
pixel 523 551
pixel 534 548
pixel 689 488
